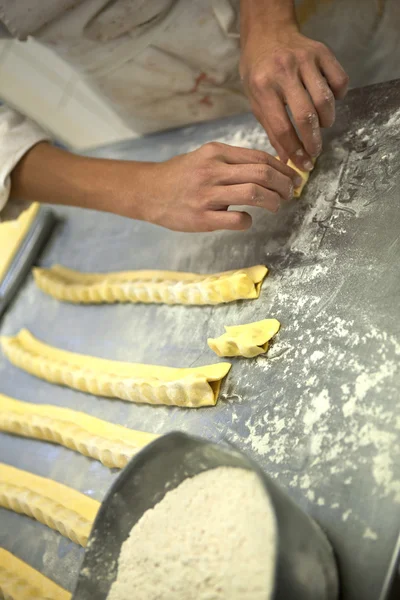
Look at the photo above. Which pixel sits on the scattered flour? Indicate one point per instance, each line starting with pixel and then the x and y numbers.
pixel 370 535
pixel 319 406
pixel 213 537
pixel 252 137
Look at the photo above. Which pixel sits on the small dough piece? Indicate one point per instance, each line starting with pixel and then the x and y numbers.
pixel 193 387
pixel 247 340
pixel 162 287
pixel 303 174
pixel 113 445
pixel 19 581
pixel 53 504
pixel 12 233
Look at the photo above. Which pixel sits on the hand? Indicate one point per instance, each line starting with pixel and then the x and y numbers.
pixel 282 67
pixel 193 192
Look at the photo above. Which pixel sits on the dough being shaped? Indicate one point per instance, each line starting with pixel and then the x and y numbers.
pixel 113 445
pixel 19 581
pixel 303 174
pixel 67 511
pixel 193 387
pixel 12 234
pixel 247 340
pixel 162 287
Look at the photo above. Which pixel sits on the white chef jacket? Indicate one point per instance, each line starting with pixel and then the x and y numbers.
pixel 165 63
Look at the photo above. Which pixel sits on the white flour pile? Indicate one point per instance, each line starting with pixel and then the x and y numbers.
pixel 211 538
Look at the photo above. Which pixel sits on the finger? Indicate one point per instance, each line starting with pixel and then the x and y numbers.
pixel 232 220
pixel 320 93
pixel 284 157
pixel 248 194
pixel 255 157
pixel 233 155
pixel 263 175
pixel 284 132
pixel 335 75
pixel 274 143
pixel 305 117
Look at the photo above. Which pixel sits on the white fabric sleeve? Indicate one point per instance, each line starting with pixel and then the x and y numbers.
pixel 17 135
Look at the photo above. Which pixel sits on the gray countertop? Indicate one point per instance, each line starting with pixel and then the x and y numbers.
pixel 320 412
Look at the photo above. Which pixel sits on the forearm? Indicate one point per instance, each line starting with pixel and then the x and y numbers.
pixel 261 14
pixel 49 175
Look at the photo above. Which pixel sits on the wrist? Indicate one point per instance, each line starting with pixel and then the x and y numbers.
pixel 258 17
pixel 121 187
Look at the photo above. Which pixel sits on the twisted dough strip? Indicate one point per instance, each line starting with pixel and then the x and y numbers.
pixel 133 382
pixel 12 234
pixel 247 340
pixel 18 581
pixel 112 445
pixel 53 504
pixel 162 287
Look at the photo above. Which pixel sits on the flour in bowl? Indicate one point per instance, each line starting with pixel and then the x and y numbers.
pixel 211 538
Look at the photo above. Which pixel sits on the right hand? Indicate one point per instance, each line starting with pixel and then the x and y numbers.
pixel 282 68
pixel 193 192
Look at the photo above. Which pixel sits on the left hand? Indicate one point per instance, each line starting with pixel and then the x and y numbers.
pixel 282 68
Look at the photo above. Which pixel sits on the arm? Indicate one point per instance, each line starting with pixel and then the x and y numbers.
pixel 191 192
pixel 17 135
pixel 282 68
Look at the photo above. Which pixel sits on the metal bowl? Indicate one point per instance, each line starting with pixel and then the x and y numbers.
pixel 305 565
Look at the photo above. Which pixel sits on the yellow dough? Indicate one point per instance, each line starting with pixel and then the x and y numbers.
pixel 303 174
pixel 162 287
pixel 112 445
pixel 12 234
pixel 193 387
pixel 247 340
pixel 19 581
pixel 53 504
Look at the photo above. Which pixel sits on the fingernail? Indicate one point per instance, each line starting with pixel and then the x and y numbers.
pixel 308 165
pixel 291 191
pixel 298 181
pixel 299 152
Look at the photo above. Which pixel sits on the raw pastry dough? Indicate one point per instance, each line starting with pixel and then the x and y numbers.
pixel 191 388
pixel 112 445
pixel 53 504
pixel 162 287
pixel 303 174
pixel 12 234
pixel 246 340
pixel 19 581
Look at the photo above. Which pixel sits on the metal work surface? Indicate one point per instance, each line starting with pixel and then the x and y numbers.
pixel 320 411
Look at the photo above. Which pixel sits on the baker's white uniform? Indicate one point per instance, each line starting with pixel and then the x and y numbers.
pixel 165 63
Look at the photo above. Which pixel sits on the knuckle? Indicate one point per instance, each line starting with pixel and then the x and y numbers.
pixel 252 193
pixel 258 80
pixel 308 118
pixel 282 130
pixel 343 80
pixel 283 62
pixel 211 149
pixel 289 189
pixel 324 102
pixel 325 95
pixel 275 202
pixel 265 173
pixel 320 48
pixel 304 56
